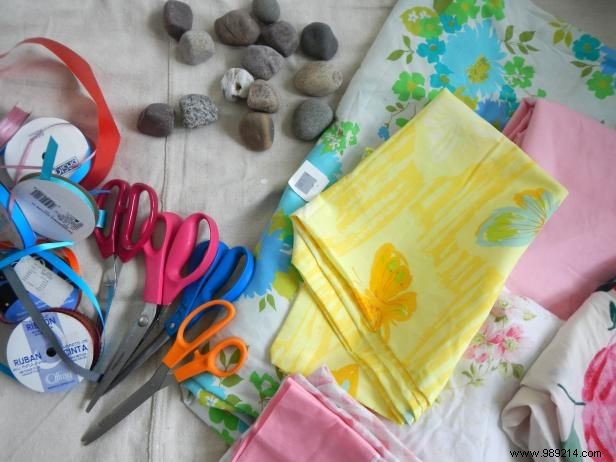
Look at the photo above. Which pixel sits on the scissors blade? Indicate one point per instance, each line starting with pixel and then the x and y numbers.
pixel 139 327
pixel 161 378
pixel 109 283
pixel 137 361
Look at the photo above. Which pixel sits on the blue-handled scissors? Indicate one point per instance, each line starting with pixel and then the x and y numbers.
pixel 203 290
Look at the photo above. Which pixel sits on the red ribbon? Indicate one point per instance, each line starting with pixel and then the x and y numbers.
pixel 108 135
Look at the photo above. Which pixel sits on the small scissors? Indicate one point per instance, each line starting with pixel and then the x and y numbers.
pixel 206 288
pixel 163 267
pixel 168 372
pixel 116 246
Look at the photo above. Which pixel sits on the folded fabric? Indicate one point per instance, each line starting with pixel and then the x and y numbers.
pixel 410 60
pixel 572 256
pixel 465 420
pixel 566 406
pixel 313 419
pixel 404 257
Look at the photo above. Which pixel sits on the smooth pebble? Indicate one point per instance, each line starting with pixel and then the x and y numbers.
pixel 318 41
pixel 311 118
pixel 177 18
pixel 198 111
pixel 195 47
pixel 237 28
pixel 156 120
pixel 266 11
pixel 235 83
pixel 282 37
pixel 262 61
pixel 318 78
pixel 257 131
pixel 262 97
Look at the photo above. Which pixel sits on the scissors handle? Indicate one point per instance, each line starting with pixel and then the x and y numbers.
pixel 206 362
pixel 107 243
pixel 202 362
pixel 155 258
pixel 179 254
pixel 127 249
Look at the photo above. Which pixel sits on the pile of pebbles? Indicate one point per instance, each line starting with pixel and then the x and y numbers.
pixel 268 41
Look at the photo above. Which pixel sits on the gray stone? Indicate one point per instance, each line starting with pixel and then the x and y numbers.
pixel 262 61
pixel 237 28
pixel 235 83
pixel 257 131
pixel 262 97
pixel 282 37
pixel 318 78
pixel 198 111
pixel 195 47
pixel 156 120
pixel 177 17
pixel 311 118
pixel 267 11
pixel 318 41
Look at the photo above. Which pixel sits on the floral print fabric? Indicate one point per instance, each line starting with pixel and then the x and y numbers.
pixel 465 420
pixel 571 407
pixel 409 62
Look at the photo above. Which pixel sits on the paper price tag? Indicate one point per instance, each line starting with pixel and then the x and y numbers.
pixel 42 282
pixel 308 181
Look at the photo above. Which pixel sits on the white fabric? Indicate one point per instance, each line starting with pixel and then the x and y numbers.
pixel 465 421
pixel 542 414
pixel 205 169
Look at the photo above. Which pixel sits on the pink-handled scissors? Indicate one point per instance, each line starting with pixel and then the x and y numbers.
pixel 164 282
pixel 115 241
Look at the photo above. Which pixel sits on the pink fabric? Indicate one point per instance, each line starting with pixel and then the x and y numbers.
pixel 576 250
pixel 295 426
pixel 313 418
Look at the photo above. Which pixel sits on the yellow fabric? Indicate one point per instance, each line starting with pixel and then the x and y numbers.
pixel 403 258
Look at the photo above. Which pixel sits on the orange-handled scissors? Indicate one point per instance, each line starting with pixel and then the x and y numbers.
pixel 169 372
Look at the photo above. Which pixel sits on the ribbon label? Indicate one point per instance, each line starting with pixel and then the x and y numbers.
pixel 43 283
pixel 55 211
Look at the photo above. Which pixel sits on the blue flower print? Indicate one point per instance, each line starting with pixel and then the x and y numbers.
pixel 383 133
pixel 608 63
pixel 473 56
pixel 208 382
pixel 274 254
pixel 441 79
pixel 507 93
pixel 450 24
pixel 495 112
pixel 431 49
pixel 586 47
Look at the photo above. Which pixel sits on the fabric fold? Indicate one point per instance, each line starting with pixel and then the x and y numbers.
pixel 567 400
pixel 570 258
pixel 405 256
pixel 313 418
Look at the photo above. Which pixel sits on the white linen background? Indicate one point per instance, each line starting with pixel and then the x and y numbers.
pixel 205 169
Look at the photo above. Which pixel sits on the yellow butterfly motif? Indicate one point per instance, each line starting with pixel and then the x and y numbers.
pixel 386 301
pixel 348 378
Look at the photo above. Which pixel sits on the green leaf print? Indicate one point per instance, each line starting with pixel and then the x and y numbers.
pixel 395 55
pixel 518 371
pixel 235 357
pixel 266 386
pixel 441 5
pixel 226 437
pixel 231 381
pixel 262 304
pixel 233 400
pixel 508 33
pixel 527 36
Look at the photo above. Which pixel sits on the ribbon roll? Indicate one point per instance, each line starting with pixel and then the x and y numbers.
pixel 108 135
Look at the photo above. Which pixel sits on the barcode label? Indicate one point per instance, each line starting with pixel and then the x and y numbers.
pixel 305 183
pixel 43 198
pixel 308 181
